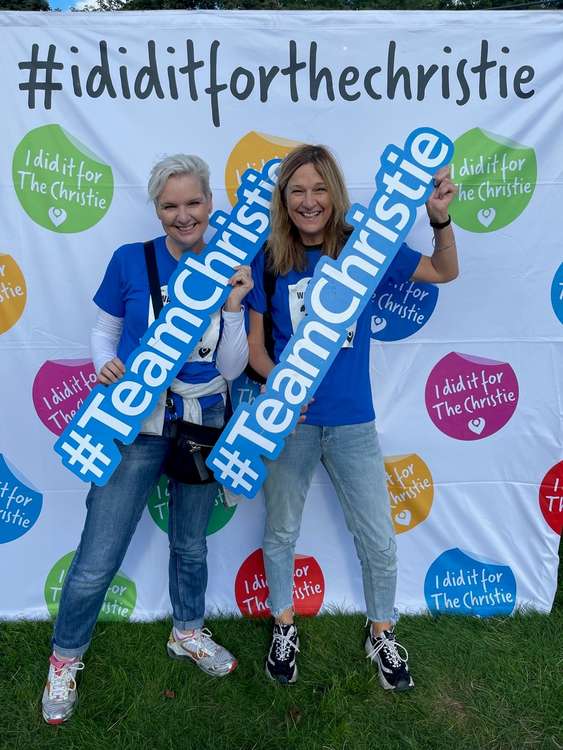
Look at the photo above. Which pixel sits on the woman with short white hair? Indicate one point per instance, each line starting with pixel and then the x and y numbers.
pixel 179 188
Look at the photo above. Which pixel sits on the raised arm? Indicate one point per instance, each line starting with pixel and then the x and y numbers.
pixel 442 265
pixel 232 352
pixel 259 358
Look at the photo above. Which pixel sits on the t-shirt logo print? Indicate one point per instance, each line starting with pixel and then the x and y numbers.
pixel 296 301
pixel 205 350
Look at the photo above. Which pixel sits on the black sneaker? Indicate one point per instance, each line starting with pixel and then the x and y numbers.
pixel 391 659
pixel 281 661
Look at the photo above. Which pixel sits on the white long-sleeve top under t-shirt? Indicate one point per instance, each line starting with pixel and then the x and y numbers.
pixel 232 357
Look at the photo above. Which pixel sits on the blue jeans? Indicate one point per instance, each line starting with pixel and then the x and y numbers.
pixel 352 457
pixel 113 512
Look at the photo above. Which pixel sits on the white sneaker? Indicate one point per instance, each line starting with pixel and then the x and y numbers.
pixel 60 694
pixel 200 648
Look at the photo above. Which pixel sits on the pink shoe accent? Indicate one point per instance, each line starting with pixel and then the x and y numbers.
pixel 59 663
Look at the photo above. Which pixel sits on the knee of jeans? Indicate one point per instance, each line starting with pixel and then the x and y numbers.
pixel 193 550
pixel 280 535
pixel 383 559
pixel 92 579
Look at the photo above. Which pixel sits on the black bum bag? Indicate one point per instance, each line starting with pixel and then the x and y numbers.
pixel 192 444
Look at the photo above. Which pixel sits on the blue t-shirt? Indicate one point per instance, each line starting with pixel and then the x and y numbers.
pixel 344 396
pixel 125 293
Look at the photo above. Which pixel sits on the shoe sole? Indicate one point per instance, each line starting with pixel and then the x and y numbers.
pixel 399 689
pixel 182 657
pixel 282 680
pixel 383 681
pixel 53 722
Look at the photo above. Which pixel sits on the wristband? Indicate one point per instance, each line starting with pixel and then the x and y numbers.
pixel 441 224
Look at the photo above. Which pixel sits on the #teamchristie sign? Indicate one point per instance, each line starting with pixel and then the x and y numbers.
pixel 335 297
pixel 197 288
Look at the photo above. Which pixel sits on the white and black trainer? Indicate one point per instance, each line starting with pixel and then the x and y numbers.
pixel 391 659
pixel 281 664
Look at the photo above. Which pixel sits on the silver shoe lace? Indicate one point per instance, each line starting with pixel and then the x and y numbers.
pixel 202 638
pixel 284 644
pixel 391 649
pixel 62 681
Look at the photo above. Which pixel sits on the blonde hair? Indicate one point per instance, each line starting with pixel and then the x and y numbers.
pixel 177 165
pixel 285 251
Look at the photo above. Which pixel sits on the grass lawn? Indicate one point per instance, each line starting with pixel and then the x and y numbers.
pixel 480 684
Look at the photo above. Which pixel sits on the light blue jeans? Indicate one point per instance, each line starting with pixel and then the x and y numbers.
pixel 353 460
pixel 113 512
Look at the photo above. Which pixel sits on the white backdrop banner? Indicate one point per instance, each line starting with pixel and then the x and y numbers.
pixel 466 378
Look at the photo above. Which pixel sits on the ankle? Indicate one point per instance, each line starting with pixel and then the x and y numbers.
pixel 377 628
pixel 285 618
pixel 62 659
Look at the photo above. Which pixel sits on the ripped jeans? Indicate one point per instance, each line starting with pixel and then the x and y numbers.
pixel 352 457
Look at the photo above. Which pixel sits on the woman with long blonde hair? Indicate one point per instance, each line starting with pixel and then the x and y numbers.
pixel 308 221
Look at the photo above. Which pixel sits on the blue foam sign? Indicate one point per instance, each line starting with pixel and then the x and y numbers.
pixel 460 584
pixel 196 289
pixel 336 295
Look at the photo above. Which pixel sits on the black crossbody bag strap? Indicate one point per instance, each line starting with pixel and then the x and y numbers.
pixel 270 289
pixel 154 281
pixel 156 295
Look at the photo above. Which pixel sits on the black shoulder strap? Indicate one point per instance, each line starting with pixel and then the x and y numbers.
pixel 156 297
pixel 270 279
pixel 154 281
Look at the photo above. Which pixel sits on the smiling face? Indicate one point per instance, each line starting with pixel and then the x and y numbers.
pixel 309 204
pixel 184 210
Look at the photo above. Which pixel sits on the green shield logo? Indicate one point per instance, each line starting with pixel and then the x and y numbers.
pixel 496 178
pixel 60 183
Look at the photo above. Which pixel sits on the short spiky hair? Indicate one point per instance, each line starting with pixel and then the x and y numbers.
pixel 178 164
pixel 284 246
